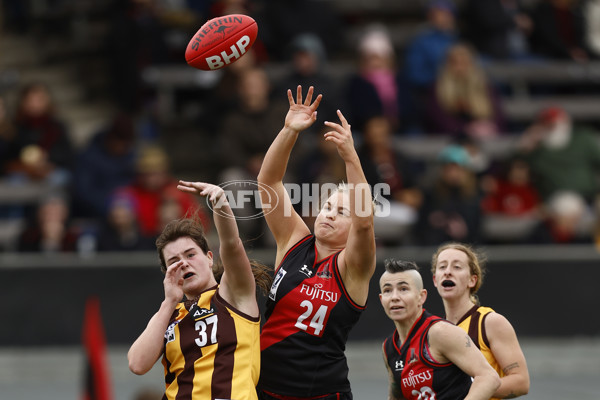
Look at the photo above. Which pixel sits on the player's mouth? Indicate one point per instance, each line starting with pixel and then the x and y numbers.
pixel 188 275
pixel 448 283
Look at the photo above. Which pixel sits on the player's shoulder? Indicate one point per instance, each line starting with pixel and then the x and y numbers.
pixel 442 329
pixel 497 324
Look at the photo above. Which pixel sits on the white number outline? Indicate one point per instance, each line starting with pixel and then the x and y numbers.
pixel 316 321
pixel 201 326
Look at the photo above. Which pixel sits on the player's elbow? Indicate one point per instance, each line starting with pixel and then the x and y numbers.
pixel 137 366
pixel 495 380
pixel 522 387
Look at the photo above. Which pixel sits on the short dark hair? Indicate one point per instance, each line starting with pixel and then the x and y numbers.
pixel 394 266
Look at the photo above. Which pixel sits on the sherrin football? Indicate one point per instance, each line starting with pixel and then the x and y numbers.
pixel 221 41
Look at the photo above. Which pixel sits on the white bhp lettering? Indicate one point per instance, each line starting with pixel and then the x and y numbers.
pixel 317 320
pixel 202 328
pixel 237 50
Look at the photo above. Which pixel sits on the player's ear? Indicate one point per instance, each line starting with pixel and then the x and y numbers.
pixel 422 297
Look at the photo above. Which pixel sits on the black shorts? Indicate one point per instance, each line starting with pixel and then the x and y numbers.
pixel 262 395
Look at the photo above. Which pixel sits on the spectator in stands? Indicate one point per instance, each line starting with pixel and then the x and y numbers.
pixel 283 20
pixel 152 187
pixel 562 155
pixel 498 29
pixel 512 192
pixel 321 165
pixel 136 39
pixel 567 221
pixel 559 30
pixel 7 134
pixel 224 97
pixel 511 205
pixel 50 229
pixel 41 150
pixel 245 134
pixel 384 165
pixel 106 164
pixel 462 99
pixel 451 208
pixel 426 52
pixel 308 68
pixel 377 88
pixel 596 232
pixel 247 130
pixel 591 14
pixel 120 230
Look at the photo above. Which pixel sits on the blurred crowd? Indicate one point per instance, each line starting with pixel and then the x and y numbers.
pixel 116 192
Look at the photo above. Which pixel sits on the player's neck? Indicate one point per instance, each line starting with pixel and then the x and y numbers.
pixel 324 250
pixel 404 327
pixel 455 309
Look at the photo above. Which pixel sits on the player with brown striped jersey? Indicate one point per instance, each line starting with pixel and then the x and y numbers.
pixel 207 329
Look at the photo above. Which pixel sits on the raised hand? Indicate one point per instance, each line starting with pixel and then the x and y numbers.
pixel 302 115
pixel 341 136
pixel 215 194
pixel 173 282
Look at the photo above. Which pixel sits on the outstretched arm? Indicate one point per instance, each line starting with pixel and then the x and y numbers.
pixel 237 284
pixel 451 343
pixel 507 352
pixel 283 221
pixel 148 347
pixel 357 261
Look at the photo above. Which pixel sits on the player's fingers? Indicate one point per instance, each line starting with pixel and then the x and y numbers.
pixel 317 101
pixel 290 97
pixel 342 119
pixel 335 126
pixel 299 95
pixel 309 96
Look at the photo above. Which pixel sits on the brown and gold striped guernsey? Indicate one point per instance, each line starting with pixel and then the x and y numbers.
pixel 212 351
pixel 472 323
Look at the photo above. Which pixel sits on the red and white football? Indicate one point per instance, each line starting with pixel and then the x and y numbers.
pixel 221 41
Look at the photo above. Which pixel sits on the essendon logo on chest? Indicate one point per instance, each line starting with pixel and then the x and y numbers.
pixel 317 292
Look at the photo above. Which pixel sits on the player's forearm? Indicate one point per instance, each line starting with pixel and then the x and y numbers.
pixel 276 160
pixel 149 345
pixel 512 386
pixel 483 387
pixel 361 198
pixel 225 224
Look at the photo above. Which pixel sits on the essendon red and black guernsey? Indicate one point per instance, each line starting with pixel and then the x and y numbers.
pixel 308 318
pixel 416 373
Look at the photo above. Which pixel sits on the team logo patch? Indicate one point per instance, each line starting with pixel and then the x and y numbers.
pixel 276 281
pixel 200 313
pixel 413 357
pixel 170 333
pixel 306 271
pixel 399 365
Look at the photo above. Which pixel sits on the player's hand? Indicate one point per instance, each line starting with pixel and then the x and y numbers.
pixel 302 114
pixel 215 194
pixel 173 282
pixel 341 136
